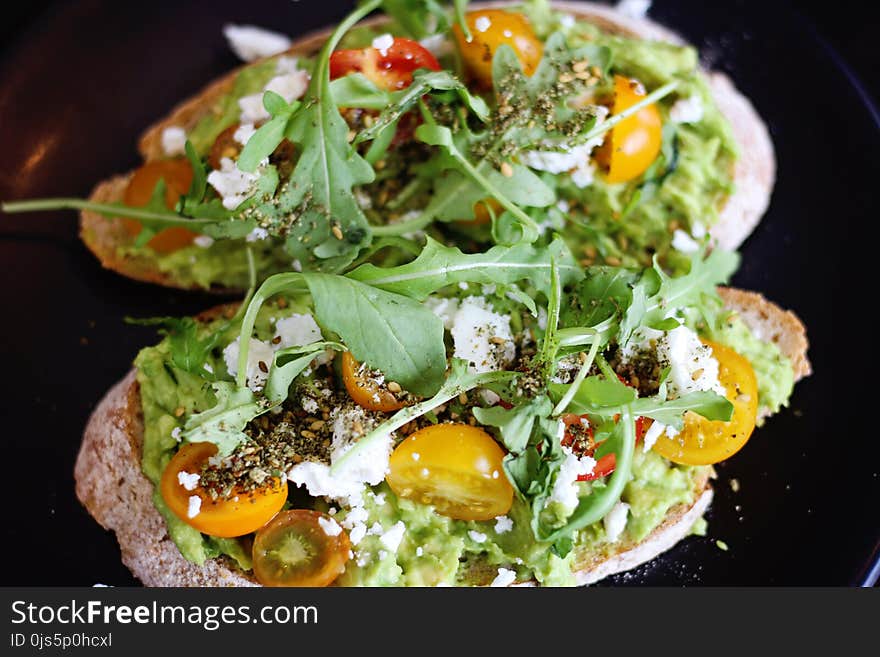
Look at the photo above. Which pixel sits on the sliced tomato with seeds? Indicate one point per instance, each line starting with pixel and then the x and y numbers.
pixel 390 68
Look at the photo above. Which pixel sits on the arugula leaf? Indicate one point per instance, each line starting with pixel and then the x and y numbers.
pixel 188 352
pixel 438 266
pixel 393 333
pixel 357 90
pixel 224 423
pixel 514 424
pixel 655 295
pixel 600 296
pixel 419 18
pixel 424 82
pixel 267 138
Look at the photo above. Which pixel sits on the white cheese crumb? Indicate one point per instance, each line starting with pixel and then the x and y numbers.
pixel 505 577
pixel 565 489
pixel 615 521
pixel 445 309
pixel 482 24
pixel 383 43
pixel 391 538
pixel 683 242
pixel 286 65
pixel 633 8
pixel 296 265
pixel 173 141
pixel 330 526
pixel 379 499
pixel 698 230
pixel 482 337
pixel 258 234
pixel 356 535
pixel 188 480
pixel 249 42
pixel 503 524
pixel 258 352
pixel 194 507
pixel 655 431
pixel 297 331
pixel 232 184
pixel 244 133
pixel 477 537
pixel 203 241
pixel 420 551
pixel 175 433
pixel 566 20
pixel 693 368
pixel 289 86
pixel 687 110
pixel 309 405
pixel 318 481
pixel 490 397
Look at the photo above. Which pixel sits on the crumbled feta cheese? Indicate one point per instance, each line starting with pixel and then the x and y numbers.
pixel 687 110
pixel 574 160
pixel 683 242
pixel 477 537
pixel 482 24
pixel 286 65
pixel 175 433
pixel 615 521
pixel 698 230
pixel 256 235
pixel 173 141
pixel 249 42
pixel 420 551
pixel 382 43
pixel 438 44
pixel 481 336
pixel 309 405
pixel 188 480
pixel 633 8
pixel 566 20
pixel 203 241
pixel 379 499
pixel 297 331
pixel 391 538
pixel 289 86
pixel 655 431
pixel 565 489
pixel 584 175
pixel 356 535
pixel 490 397
pixel 296 265
pixel 258 352
pixel 319 482
pixel 445 309
pixel 692 366
pixel 233 184
pixel 505 577
pixel 503 524
pixel 194 507
pixel 244 133
pixel 330 526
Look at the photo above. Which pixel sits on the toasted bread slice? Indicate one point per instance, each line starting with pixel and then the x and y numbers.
pixel 110 484
pixel 754 172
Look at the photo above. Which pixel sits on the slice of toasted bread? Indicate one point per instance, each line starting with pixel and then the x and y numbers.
pixel 110 484
pixel 754 172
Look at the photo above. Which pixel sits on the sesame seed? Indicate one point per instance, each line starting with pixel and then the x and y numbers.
pixel 394 386
pixel 506 170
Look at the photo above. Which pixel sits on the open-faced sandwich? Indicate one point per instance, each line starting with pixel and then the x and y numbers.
pixel 497 125
pixel 462 419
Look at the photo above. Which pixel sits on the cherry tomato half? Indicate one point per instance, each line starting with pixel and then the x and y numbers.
pixel 704 442
pixel 454 467
pixel 634 143
pixel 365 392
pixel 490 28
pixel 300 548
pixel 241 514
pixel 389 69
pixel 178 175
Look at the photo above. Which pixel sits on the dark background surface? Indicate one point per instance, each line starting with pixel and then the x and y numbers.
pixel 79 81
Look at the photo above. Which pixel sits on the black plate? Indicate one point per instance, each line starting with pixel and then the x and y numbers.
pixel 83 82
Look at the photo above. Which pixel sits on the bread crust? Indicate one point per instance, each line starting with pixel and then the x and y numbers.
pixel 754 172
pixel 112 487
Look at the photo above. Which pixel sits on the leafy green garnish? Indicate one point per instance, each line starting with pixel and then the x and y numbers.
pixel 188 351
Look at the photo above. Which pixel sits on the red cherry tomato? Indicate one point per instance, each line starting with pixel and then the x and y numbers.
pixel 579 437
pixel 389 69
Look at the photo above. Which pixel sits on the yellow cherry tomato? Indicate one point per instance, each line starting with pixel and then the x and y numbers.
pixel 365 392
pixel 489 29
pixel 454 467
pixel 178 175
pixel 704 442
pixel 634 143
pixel 240 514
pixel 300 548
